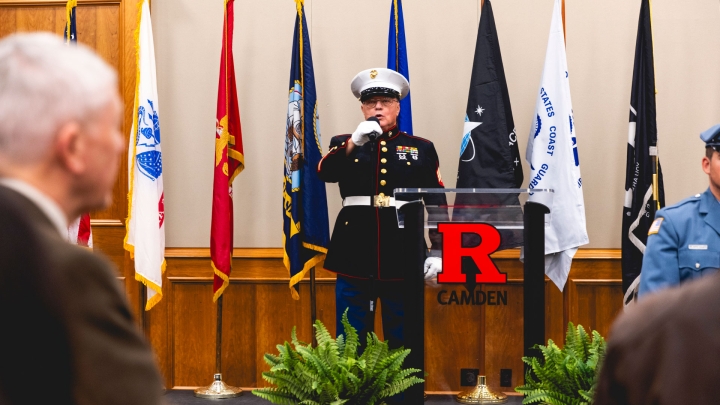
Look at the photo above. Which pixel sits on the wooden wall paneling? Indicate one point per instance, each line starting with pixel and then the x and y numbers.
pixel 503 332
pixel 158 328
pixel 454 338
pixel 192 314
pixel 325 303
pixel 594 304
pixel 239 341
pixel 259 314
pixel 555 313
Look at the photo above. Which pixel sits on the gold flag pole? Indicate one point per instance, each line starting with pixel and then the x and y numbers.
pixel 655 184
pixel 218 389
pixel 481 394
pixel 655 161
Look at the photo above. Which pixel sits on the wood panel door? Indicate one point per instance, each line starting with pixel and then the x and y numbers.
pixel 107 26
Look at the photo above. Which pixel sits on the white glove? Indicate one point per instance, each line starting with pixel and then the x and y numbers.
pixel 360 136
pixel 433 266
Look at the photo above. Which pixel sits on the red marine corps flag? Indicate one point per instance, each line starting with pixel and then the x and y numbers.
pixel 229 162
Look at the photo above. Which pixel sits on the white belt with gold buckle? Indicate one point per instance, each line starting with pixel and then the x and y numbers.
pixel 374 201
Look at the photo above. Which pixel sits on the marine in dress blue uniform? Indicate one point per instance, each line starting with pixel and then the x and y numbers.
pixel 684 239
pixel 364 249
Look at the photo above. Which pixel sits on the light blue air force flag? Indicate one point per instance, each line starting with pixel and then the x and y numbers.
pixel 554 162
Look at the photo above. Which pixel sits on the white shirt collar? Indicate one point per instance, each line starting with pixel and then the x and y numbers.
pixel 45 203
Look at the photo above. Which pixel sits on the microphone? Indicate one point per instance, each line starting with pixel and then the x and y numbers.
pixel 374 134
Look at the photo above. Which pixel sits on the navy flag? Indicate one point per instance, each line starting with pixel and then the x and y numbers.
pixel 398 61
pixel 489 155
pixel 640 201
pixel 70 25
pixel 306 230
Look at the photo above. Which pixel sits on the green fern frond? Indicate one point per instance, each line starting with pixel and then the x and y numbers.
pixel 332 373
pixel 566 376
pixel 352 340
pixel 274 396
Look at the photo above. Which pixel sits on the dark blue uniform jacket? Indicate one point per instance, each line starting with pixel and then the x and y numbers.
pixel 366 241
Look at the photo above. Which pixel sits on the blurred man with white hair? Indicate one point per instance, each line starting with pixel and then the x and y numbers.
pixel 68 333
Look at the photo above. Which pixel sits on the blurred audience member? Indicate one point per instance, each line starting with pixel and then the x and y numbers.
pixel 666 349
pixel 68 336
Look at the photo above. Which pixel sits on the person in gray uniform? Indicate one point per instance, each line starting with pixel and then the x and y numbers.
pixel 684 240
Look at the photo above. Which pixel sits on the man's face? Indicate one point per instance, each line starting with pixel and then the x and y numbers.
pixel 386 109
pixel 103 145
pixel 711 166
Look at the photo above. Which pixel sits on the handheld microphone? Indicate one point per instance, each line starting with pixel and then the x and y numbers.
pixel 374 134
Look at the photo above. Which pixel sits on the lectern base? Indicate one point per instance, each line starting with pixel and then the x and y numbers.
pixel 481 394
pixel 218 390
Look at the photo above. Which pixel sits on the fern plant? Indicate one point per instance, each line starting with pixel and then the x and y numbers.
pixel 332 373
pixel 565 376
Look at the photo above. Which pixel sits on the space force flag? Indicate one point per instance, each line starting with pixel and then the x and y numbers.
pixel 640 204
pixel 229 161
pixel 553 157
pixel 398 61
pixel 306 231
pixel 489 155
pixel 145 237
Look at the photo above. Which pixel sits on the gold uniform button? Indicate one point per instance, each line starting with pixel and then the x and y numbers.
pixel 383 160
pixel 381 195
pixel 384 149
pixel 408 163
pixel 383 143
pixel 383 182
pixel 383 171
pixel 357 160
pixel 346 223
pixel 343 144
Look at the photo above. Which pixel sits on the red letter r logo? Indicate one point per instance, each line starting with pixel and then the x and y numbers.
pixel 453 251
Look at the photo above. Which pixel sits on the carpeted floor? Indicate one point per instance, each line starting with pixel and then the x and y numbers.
pixel 186 397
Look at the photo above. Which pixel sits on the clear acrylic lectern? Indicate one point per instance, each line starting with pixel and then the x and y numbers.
pixel 498 218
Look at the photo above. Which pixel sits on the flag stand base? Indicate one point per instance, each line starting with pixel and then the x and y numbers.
pixel 481 394
pixel 218 390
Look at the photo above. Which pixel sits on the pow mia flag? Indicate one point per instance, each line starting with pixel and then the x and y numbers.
pixel 639 208
pixel 489 155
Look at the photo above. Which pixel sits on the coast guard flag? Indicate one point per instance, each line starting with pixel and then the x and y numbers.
pixel 145 237
pixel 229 161
pixel 306 231
pixel 489 155
pixel 398 61
pixel 640 206
pixel 554 161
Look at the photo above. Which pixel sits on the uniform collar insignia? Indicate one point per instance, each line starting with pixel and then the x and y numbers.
pixel 391 132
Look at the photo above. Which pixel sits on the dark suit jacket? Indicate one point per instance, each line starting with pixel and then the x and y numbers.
pixel 67 334
pixel 666 350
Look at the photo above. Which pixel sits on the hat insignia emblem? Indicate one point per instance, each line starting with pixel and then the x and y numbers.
pixel 373 74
